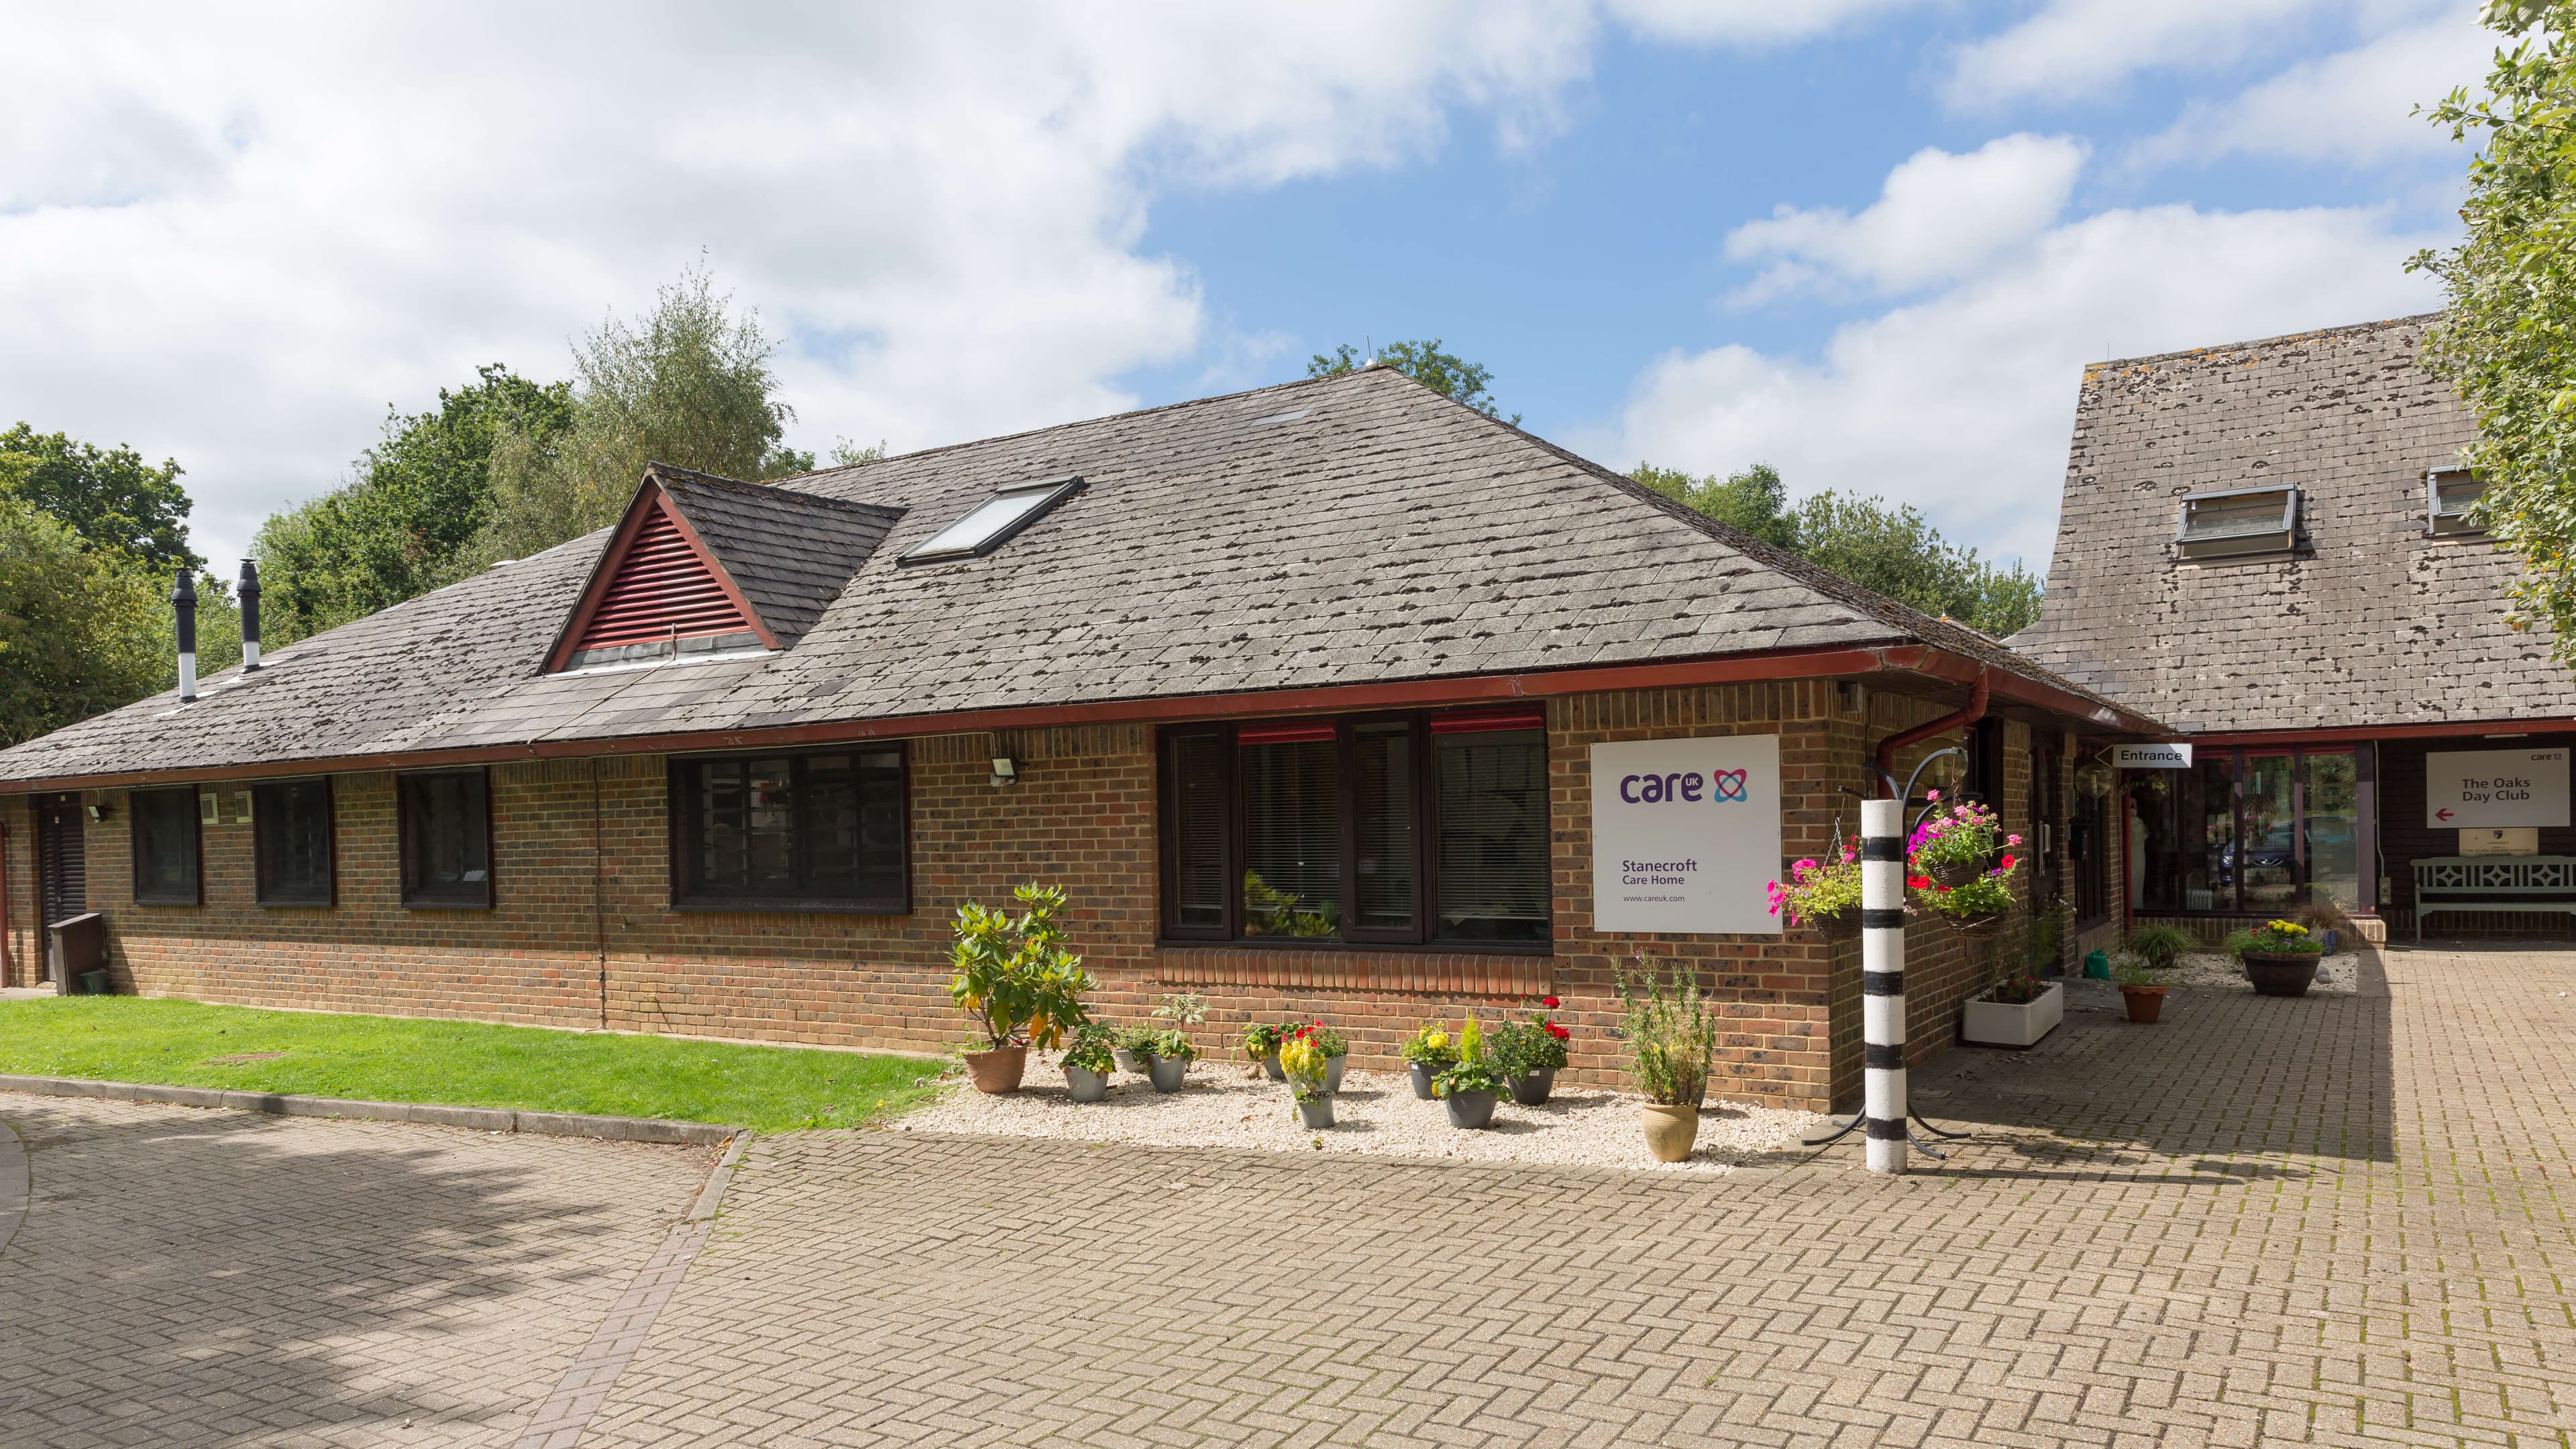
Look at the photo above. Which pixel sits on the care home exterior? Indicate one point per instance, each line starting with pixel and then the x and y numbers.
pixel 2267 546
pixel 1298 694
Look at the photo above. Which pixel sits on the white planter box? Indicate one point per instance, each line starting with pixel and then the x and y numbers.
pixel 2004 1023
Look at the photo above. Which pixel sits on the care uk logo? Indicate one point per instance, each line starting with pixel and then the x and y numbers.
pixel 1689 787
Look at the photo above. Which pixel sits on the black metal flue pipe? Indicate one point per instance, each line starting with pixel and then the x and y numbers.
pixel 248 592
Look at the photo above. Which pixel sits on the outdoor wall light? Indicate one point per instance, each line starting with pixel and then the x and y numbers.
pixel 97 813
pixel 2095 779
pixel 1006 771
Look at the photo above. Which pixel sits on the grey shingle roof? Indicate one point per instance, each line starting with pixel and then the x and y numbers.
pixel 790 551
pixel 1347 530
pixel 2371 622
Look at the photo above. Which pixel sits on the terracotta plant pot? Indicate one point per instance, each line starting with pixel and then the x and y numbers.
pixel 1316 1114
pixel 1980 926
pixel 1532 1090
pixel 1670 1131
pixel 2282 973
pixel 1422 1076
pixel 2146 1003
pixel 1169 1073
pixel 999 1070
pixel 1082 1084
pixel 1470 1110
pixel 1956 873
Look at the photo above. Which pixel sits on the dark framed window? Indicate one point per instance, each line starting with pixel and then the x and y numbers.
pixel 821 830
pixel 1412 829
pixel 445 820
pixel 164 825
pixel 2255 831
pixel 293 853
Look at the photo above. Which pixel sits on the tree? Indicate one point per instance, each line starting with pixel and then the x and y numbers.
pixel 85 628
pixel 1892 551
pixel 2507 341
pixel 1445 373
pixel 419 496
pixel 688 386
pixel 108 496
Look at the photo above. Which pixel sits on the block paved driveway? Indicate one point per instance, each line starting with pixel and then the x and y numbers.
pixel 2334 1220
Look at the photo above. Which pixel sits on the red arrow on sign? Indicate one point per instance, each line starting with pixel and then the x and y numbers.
pixel 2443 814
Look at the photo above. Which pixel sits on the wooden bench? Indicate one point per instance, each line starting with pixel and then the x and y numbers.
pixel 2493 883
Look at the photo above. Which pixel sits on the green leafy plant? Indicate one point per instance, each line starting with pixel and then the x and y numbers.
pixel 2276 938
pixel 2043 943
pixel 1474 1071
pixel 1269 911
pixel 1262 1038
pixel 1670 1034
pixel 1328 1041
pixel 1982 895
pixel 1818 890
pixel 2133 972
pixel 1014 976
pixel 1094 1048
pixel 1965 834
pixel 1137 1041
pixel 1304 1063
pixel 1182 1008
pixel 2158 945
pixel 1172 1045
pixel 1430 1046
pixel 1523 1047
pixel 2018 989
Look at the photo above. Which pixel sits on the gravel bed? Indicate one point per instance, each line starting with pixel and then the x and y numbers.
pixel 2337 975
pixel 1376 1114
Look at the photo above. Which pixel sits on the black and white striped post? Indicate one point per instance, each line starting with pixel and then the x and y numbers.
pixel 1882 981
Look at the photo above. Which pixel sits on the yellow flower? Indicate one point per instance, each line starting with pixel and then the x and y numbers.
pixel 1435 1040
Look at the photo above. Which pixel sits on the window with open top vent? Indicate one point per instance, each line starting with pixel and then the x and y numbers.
pixel 2238 522
pixel 2449 494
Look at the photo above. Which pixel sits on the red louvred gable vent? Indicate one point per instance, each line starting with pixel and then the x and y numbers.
pixel 662 590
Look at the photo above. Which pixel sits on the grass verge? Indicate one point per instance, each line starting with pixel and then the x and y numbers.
pixel 397 1059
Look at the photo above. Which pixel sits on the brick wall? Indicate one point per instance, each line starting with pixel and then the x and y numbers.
pixel 582 934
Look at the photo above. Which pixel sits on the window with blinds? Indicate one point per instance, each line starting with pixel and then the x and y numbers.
pixel 1398 830
pixel 817 831
pixel 164 823
pixel 446 831
pixel 292 849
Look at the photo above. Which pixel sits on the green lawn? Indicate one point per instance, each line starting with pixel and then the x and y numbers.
pixel 393 1059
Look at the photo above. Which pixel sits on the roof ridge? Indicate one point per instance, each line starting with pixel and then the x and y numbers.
pixel 765 488
pixel 2271 341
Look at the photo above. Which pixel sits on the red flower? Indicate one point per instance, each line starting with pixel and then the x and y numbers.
pixel 1919 882
pixel 1549 1002
pixel 2008 862
pixel 1560 1033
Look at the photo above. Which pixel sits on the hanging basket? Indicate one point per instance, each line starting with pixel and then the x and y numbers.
pixel 1957 873
pixel 1980 926
pixel 1840 926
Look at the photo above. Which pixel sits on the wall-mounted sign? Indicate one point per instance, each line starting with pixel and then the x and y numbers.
pixel 2502 840
pixel 2151 757
pixel 2483 789
pixel 1686 834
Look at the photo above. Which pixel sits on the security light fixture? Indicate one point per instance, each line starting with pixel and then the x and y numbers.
pixel 97 813
pixel 2236 522
pixel 990 524
pixel 2449 493
pixel 1006 771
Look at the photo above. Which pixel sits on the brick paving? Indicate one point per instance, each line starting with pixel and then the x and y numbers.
pixel 2333 1221
pixel 192 1277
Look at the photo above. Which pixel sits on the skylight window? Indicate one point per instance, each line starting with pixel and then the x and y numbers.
pixel 2448 495
pixel 990 524
pixel 2238 522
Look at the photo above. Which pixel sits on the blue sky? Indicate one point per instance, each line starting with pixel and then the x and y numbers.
pixel 1869 241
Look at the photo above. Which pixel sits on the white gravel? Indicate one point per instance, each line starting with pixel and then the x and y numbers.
pixel 1376 1113
pixel 2337 975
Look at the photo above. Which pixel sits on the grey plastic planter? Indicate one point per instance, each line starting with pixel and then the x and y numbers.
pixel 1130 1062
pixel 1532 1090
pixel 1169 1074
pixel 1422 1082
pixel 1082 1084
pixel 1317 1114
pixel 1333 1074
pixel 1270 1066
pixel 1470 1110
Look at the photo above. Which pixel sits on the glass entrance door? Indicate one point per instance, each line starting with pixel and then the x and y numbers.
pixel 2248 831
pixel 2330 827
pixel 2267 806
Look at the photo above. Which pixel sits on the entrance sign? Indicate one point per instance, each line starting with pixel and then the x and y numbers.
pixel 1686 834
pixel 2484 789
pixel 2151 757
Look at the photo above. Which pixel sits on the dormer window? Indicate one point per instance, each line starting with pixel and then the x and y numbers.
pixel 2238 522
pixel 990 524
pixel 2449 493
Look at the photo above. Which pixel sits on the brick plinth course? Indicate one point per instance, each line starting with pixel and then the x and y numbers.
pixel 584 934
pixel 2330 1221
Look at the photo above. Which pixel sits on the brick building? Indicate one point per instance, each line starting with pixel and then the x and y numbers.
pixel 2268 546
pixel 1297 692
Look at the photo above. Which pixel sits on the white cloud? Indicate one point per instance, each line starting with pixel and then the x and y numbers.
pixel 1961 404
pixel 2352 107
pixel 1742 21
pixel 1939 217
pixel 2072 48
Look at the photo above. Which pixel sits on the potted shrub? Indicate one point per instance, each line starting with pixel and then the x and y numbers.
pixel 1670 1036
pixel 1087 1062
pixel 1170 1059
pixel 1261 1043
pixel 1017 981
pixel 2157 945
pixel 1469 1085
pixel 1301 1059
pixel 1952 846
pixel 1825 895
pixel 1133 1049
pixel 2280 958
pixel 1335 1047
pixel 1528 1054
pixel 2140 991
pixel 2014 1012
pixel 1427 1054
pixel 1978 906
pixel 2325 921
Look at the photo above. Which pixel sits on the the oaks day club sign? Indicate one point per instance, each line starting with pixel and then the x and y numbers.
pixel 1686 834
pixel 2483 789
